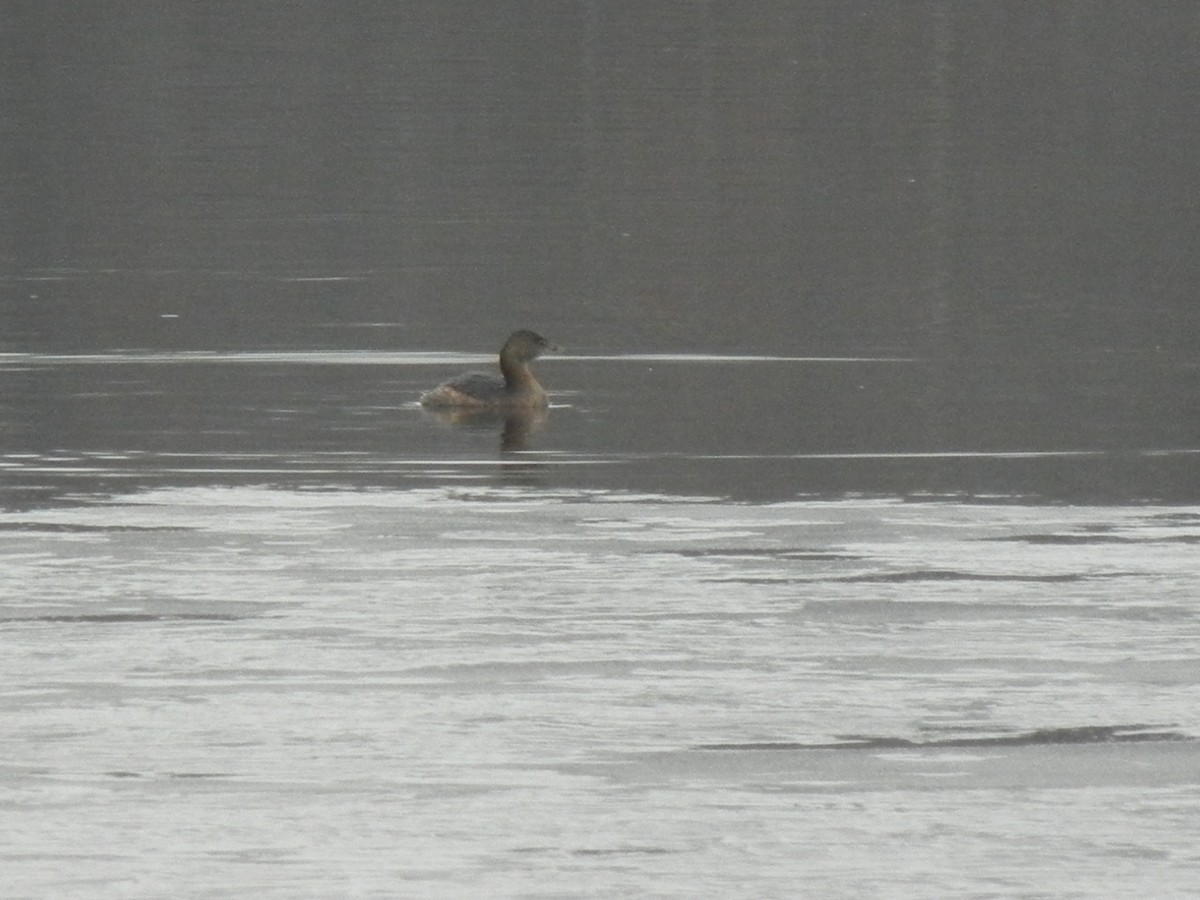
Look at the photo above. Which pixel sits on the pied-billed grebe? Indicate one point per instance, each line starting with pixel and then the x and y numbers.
pixel 518 388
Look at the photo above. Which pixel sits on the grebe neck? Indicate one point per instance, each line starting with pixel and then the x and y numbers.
pixel 516 372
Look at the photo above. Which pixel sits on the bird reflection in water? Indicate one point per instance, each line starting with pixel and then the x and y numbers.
pixel 515 425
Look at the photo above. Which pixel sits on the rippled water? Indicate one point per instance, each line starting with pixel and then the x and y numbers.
pixel 445 670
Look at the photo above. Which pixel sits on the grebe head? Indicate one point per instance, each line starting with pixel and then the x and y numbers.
pixel 524 345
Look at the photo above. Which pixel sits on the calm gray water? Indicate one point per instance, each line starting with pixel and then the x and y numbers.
pixel 854 558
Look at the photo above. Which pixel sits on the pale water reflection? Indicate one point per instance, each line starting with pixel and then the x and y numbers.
pixel 526 692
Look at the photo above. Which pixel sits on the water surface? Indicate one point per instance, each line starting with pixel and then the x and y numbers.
pixel 855 557
pixel 519 691
pixel 744 427
pixel 270 624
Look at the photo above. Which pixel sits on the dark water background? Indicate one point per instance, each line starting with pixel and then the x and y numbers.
pixel 1002 193
pixel 971 181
